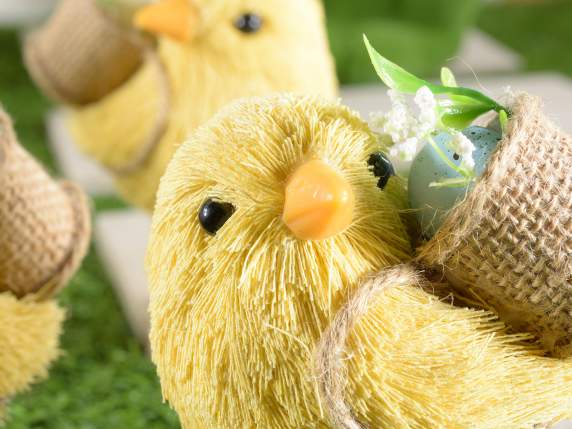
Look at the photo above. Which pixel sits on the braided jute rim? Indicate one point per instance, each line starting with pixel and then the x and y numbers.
pixel 464 218
pixel 330 356
pixel 80 243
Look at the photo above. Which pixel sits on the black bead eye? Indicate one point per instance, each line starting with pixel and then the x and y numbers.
pixel 214 214
pixel 381 167
pixel 248 23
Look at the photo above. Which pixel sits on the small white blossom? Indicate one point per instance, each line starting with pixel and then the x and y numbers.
pixel 465 148
pixel 406 129
pixel 468 163
pixel 406 150
pixel 424 98
pixel 427 104
pixel 461 144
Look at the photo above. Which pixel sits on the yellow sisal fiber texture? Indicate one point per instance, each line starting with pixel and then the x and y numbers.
pixel 415 361
pixel 236 317
pixel 135 130
pixel 29 339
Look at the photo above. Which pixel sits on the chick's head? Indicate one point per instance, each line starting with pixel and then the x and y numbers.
pixel 266 220
pixel 257 45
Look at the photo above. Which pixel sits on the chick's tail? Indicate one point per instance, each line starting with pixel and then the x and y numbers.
pixel 397 356
pixel 29 343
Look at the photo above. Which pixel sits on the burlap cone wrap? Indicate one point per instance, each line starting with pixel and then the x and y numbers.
pixel 510 240
pixel 44 225
pixel 80 55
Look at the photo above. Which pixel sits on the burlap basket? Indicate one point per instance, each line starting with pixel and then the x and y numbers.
pixel 80 55
pixel 510 240
pixel 44 225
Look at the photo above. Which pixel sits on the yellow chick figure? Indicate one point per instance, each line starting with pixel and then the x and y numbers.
pixel 208 53
pixel 241 296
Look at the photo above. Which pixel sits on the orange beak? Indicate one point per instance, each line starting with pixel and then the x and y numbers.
pixel 319 202
pixel 177 19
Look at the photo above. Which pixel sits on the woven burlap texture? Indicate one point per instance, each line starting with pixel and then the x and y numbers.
pixel 510 240
pixel 44 225
pixel 80 55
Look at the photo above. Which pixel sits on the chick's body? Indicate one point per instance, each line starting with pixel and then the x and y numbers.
pixel 134 131
pixel 29 343
pixel 236 317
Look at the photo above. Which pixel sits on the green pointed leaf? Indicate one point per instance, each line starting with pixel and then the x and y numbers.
pixel 448 78
pixel 392 75
pixel 465 99
pixel 503 119
pixel 460 117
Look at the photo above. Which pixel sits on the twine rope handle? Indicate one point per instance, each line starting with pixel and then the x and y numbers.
pixel 330 368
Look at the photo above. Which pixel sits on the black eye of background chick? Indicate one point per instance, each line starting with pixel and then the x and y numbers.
pixel 214 214
pixel 248 23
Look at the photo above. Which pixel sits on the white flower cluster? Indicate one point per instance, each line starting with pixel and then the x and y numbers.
pixel 465 148
pixel 407 130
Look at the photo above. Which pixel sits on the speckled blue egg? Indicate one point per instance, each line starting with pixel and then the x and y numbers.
pixel 431 204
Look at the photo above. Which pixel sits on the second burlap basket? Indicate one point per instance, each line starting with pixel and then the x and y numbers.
pixel 82 54
pixel 44 224
pixel 510 240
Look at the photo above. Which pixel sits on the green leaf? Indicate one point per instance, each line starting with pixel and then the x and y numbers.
pixel 392 75
pixel 448 78
pixel 467 101
pixel 503 119
pixel 457 182
pixel 460 116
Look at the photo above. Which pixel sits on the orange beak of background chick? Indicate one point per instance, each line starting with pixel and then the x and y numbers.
pixel 177 19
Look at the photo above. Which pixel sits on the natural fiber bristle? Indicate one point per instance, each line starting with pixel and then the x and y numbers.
pixel 29 338
pixel 410 360
pixel 135 130
pixel 235 317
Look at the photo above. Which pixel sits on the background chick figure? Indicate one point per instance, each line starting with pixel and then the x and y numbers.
pixel 207 54
pixel 252 255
